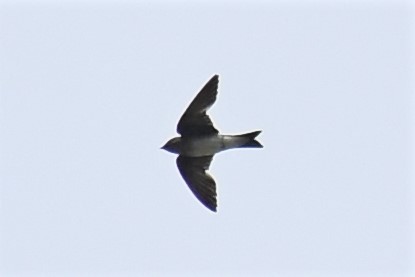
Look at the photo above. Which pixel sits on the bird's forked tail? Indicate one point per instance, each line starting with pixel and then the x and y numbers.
pixel 252 142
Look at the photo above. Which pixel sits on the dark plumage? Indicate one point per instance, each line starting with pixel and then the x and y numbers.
pixel 200 141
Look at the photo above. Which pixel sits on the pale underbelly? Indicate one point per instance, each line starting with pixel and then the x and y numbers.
pixel 197 147
pixel 208 146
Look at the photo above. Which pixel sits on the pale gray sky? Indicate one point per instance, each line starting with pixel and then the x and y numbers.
pixel 89 92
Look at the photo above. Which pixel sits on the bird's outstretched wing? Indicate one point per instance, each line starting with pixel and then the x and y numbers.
pixel 193 171
pixel 195 121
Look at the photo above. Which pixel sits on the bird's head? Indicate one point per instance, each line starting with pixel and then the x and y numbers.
pixel 173 145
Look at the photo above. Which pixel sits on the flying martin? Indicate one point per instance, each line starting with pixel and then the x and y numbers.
pixel 200 141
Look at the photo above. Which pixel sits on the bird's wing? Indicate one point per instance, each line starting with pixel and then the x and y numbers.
pixel 193 171
pixel 195 121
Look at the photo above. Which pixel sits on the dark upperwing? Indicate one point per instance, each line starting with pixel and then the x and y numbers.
pixel 195 121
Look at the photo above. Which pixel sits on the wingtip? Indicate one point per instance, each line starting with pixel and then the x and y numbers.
pixel 213 209
pixel 212 206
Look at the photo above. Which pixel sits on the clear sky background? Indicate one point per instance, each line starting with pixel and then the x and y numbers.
pixel 90 91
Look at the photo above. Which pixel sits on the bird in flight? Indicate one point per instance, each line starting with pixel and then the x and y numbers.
pixel 200 141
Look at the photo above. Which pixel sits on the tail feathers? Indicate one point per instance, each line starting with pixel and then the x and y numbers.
pixel 251 135
pixel 252 142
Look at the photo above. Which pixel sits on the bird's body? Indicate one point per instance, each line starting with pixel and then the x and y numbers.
pixel 200 141
pixel 208 145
